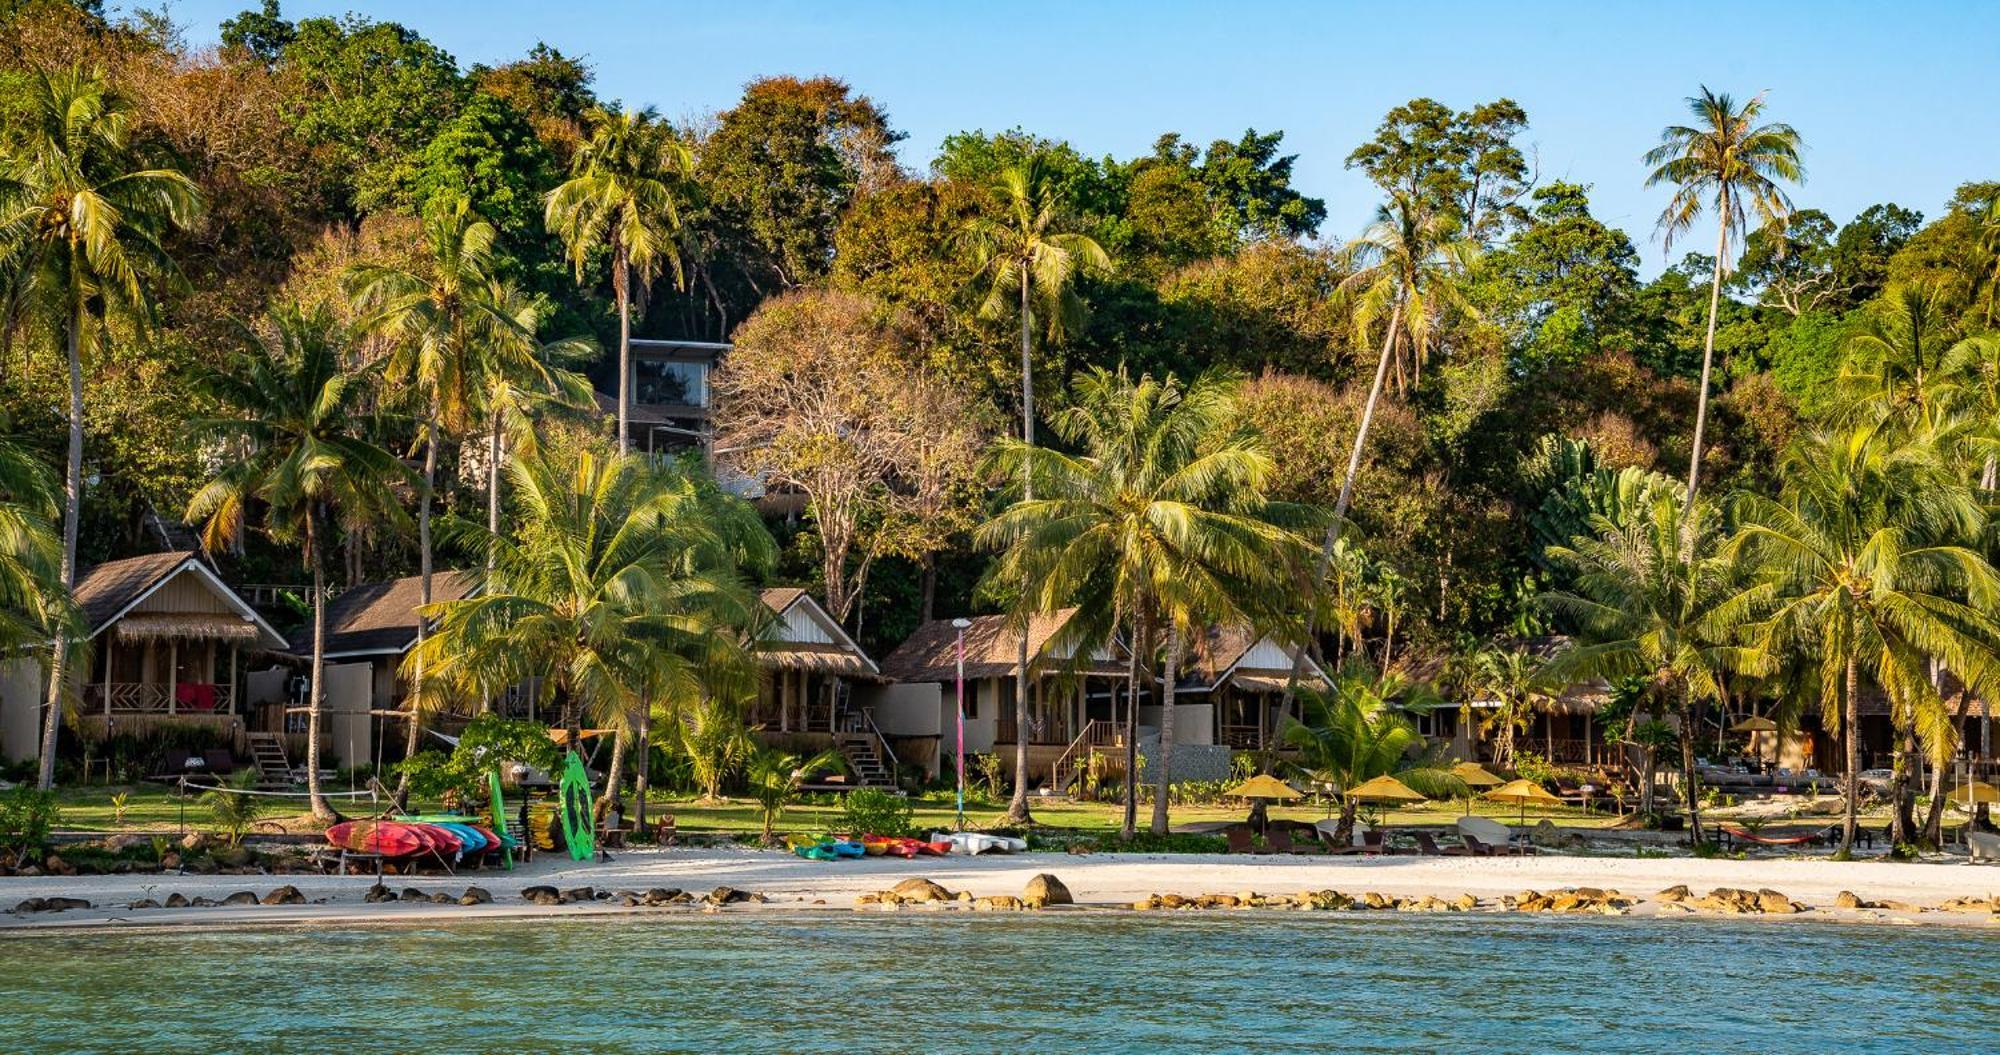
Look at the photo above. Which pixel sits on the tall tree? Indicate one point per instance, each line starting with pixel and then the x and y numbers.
pixel 628 187
pixel 298 457
pixel 1160 524
pixel 83 211
pixel 1728 163
pixel 1027 257
pixel 33 601
pixel 1863 551
pixel 1361 728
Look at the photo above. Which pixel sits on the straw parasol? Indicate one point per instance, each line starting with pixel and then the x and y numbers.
pixel 1264 786
pixel 1475 777
pixel 1754 725
pixel 1523 792
pixel 1973 793
pixel 1383 789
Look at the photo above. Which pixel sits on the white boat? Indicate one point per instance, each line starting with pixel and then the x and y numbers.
pixel 974 843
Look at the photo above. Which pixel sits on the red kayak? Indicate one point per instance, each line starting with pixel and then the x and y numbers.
pixel 388 838
pixel 442 840
pixel 934 849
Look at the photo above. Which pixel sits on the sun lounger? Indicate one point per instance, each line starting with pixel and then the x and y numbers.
pixel 1428 847
pixel 1327 843
pixel 1240 840
pixel 1731 835
pixel 1281 842
pixel 1985 846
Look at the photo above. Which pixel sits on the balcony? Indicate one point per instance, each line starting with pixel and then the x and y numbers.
pixel 158 698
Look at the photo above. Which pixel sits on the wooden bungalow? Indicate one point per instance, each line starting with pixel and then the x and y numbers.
pixel 1239 678
pixel 168 644
pixel 809 671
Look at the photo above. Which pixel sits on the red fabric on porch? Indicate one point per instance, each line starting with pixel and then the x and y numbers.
pixel 194 696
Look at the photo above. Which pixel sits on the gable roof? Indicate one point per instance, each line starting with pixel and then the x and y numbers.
pixel 109 590
pixel 992 648
pixel 1236 654
pixel 839 654
pixel 380 618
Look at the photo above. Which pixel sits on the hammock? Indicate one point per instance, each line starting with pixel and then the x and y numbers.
pixel 1775 840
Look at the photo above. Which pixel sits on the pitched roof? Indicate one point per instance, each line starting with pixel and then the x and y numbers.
pixel 992 648
pixel 111 587
pixel 1220 656
pixel 842 655
pixel 380 618
pixel 779 598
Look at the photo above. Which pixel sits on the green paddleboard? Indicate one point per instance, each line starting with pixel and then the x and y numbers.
pixel 574 792
pixel 500 820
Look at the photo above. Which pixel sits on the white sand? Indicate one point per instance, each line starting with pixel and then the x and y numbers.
pixel 1098 879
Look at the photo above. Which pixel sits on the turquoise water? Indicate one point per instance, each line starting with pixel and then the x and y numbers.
pixel 935 983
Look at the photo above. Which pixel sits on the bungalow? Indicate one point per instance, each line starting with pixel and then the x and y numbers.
pixel 374 625
pixel 1232 688
pixel 168 641
pixel 809 671
pixel 1072 698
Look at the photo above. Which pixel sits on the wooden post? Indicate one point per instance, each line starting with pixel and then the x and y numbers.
pixel 109 650
pixel 173 675
pixel 234 680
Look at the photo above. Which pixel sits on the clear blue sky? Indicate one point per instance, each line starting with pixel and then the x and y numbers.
pixel 1896 102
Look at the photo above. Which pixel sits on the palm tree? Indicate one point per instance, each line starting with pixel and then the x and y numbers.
pixel 1025 258
pixel 1408 263
pixel 617 588
pixel 288 413
pixel 82 214
pixel 1161 524
pixel 1895 359
pixel 517 389
pixel 446 334
pixel 33 603
pixel 1513 680
pixel 1863 553
pixel 1657 598
pixel 1360 729
pixel 775 778
pixel 628 184
pixel 1729 163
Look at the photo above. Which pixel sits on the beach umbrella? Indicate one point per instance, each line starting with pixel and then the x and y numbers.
pixel 1754 725
pixel 1972 793
pixel 1522 792
pixel 1264 786
pixel 1475 777
pixel 1383 791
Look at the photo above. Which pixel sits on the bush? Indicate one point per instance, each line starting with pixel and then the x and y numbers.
pixel 234 813
pixel 26 815
pixel 488 741
pixel 872 811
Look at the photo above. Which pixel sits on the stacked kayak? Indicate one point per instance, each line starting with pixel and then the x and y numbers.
pixel 980 842
pixel 828 849
pixel 411 836
pixel 900 846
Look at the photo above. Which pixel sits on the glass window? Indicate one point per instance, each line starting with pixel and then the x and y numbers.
pixel 672 382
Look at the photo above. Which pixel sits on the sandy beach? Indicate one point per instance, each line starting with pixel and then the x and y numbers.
pixel 1099 880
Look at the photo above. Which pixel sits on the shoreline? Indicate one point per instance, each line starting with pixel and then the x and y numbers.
pixel 1100 883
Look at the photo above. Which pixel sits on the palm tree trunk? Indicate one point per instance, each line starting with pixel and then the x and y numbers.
pixel 413 733
pixel 1340 506
pixel 615 775
pixel 1852 733
pixel 493 454
pixel 317 697
pixel 1690 777
pixel 72 510
pixel 621 287
pixel 1707 356
pixel 1903 819
pixel 1163 780
pixel 1141 642
pixel 1017 807
pixel 1933 831
pixel 645 763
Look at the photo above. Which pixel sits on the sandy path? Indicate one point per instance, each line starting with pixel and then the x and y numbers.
pixel 1104 879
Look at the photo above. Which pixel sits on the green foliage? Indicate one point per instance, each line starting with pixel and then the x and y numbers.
pixel 487 742
pixel 232 812
pixel 873 811
pixel 774 778
pixel 26 815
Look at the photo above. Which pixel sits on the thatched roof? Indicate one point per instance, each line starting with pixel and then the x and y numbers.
pixel 380 618
pixel 186 626
pixel 842 655
pixel 992 649
pixel 111 587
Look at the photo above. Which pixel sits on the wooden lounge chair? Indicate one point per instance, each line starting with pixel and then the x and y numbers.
pixel 1480 849
pixel 1240 841
pixel 1428 847
pixel 1327 843
pixel 1281 842
pixel 1732 834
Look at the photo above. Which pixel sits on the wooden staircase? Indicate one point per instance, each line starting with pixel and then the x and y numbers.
pixel 267 750
pixel 1096 734
pixel 864 760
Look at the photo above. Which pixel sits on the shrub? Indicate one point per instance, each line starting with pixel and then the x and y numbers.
pixel 991 770
pixel 873 811
pixel 488 741
pixel 1532 766
pixel 234 813
pixel 26 815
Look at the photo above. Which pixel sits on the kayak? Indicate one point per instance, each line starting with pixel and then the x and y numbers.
pixel 830 850
pixel 979 842
pixel 388 838
pixel 469 838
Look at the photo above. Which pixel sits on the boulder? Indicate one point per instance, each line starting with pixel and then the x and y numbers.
pixel 729 895
pixel 33 904
pixel 475 895
pixel 29 871
pixel 411 893
pixel 143 903
pixel 1771 901
pixel 541 895
pixel 1046 889
pixel 1677 892
pixel 998 903
pixel 56 866
pixel 64 904
pixel 1329 901
pixel 580 893
pixel 1970 904
pixel 284 895
pixel 203 902
pixel 194 842
pixel 442 898
pixel 1465 902
pixel 176 900
pixel 661 895
pixel 169 861
pixel 920 890
pixel 1377 901
pixel 121 843
pixel 378 893
pixel 241 897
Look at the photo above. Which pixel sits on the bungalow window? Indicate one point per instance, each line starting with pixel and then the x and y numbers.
pixel 670 382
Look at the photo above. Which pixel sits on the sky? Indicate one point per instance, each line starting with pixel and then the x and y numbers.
pixel 1896 103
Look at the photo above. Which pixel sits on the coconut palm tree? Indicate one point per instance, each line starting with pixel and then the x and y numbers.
pixel 1895 358
pixel 1026 258
pixel 1728 163
pixel 775 778
pixel 1512 679
pixel 617 586
pixel 1409 263
pixel 83 209
pixel 1658 598
pixel 289 414
pixel 1159 526
pixel 1359 729
pixel 32 596
pixel 1864 553
pixel 628 185
pixel 518 390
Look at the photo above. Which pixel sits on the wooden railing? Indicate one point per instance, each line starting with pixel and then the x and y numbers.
pixel 1096 733
pixel 134 697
